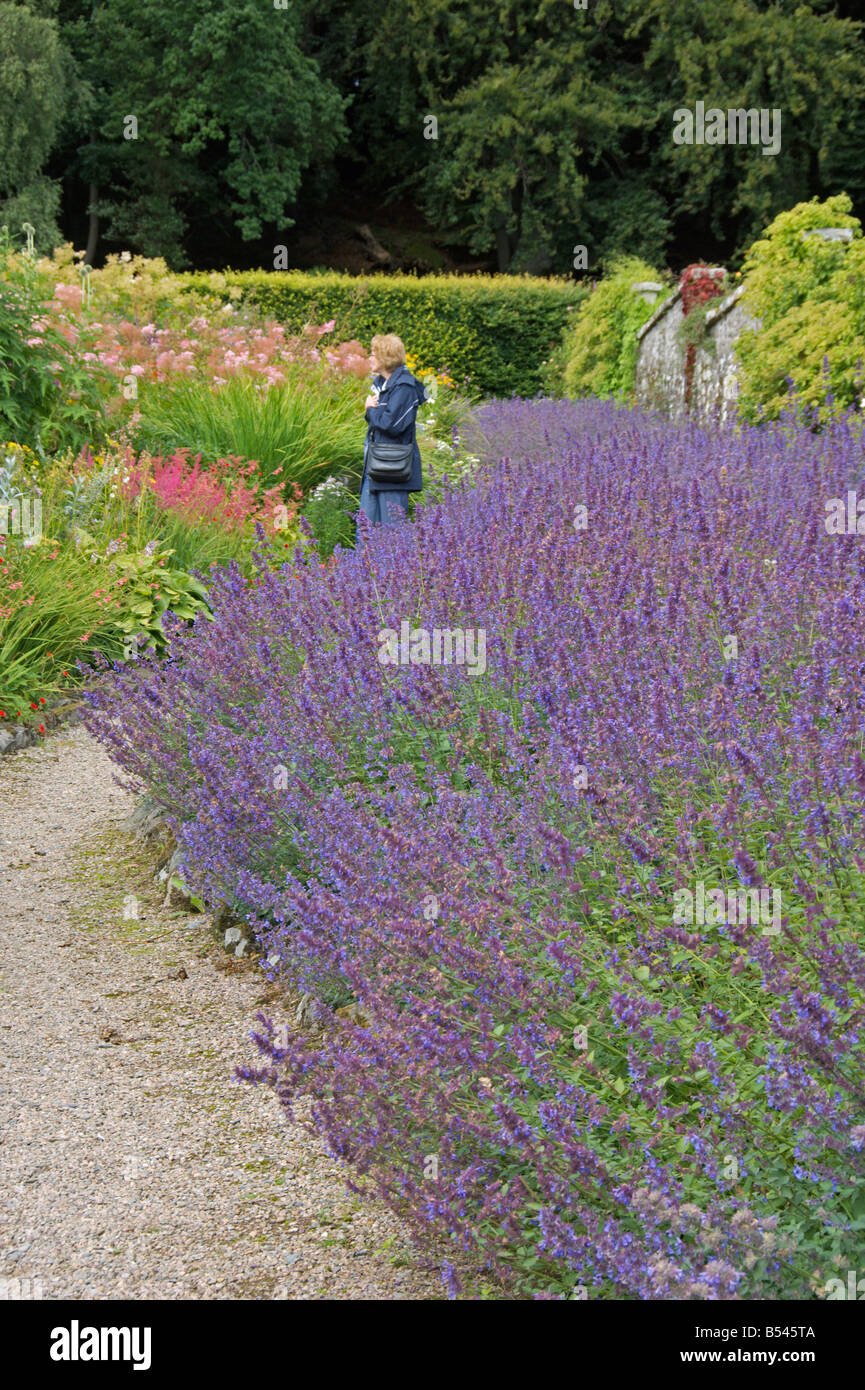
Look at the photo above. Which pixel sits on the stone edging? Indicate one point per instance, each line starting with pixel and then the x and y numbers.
pixel 149 823
pixel 17 736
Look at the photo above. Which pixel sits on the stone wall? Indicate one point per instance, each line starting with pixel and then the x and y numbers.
pixel 660 378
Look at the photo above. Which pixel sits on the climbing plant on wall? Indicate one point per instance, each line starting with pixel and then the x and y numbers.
pixel 700 285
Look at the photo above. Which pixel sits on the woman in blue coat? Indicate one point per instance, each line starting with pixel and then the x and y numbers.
pixel 390 414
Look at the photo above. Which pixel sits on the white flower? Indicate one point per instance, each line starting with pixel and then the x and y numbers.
pixel 333 487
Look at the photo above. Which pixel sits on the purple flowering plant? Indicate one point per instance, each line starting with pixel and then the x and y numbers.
pixel 562 1083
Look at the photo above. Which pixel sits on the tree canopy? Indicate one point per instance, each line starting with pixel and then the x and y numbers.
pixel 520 128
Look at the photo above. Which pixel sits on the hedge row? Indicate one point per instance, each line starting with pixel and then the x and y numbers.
pixel 494 332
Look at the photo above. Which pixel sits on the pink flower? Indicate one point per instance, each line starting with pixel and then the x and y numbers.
pixel 69 295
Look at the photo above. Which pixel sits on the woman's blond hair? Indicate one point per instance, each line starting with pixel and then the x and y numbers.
pixel 390 351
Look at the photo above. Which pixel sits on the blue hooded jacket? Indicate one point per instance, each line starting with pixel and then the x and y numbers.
pixel 393 420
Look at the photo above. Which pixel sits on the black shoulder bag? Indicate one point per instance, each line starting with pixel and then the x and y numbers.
pixel 388 462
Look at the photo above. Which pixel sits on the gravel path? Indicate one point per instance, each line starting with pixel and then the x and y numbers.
pixel 132 1165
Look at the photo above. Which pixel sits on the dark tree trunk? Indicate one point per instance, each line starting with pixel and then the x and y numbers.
pixel 503 245
pixel 517 205
pixel 93 228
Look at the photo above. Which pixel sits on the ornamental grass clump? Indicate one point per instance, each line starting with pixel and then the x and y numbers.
pixel 596 889
pixel 297 431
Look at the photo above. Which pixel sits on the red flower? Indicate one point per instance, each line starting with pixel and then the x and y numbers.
pixel 32 706
pixel 2 714
pixel 42 699
pixel 41 728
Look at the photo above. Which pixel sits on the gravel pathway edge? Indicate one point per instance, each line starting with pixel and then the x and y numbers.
pixel 134 1165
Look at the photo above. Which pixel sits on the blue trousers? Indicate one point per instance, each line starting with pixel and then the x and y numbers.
pixel 383 508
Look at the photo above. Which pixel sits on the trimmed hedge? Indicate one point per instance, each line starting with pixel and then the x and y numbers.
pixel 492 332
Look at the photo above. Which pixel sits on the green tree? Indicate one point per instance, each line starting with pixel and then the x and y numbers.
pixel 512 115
pixel 799 59
pixel 207 110
pixel 33 86
pixel 555 124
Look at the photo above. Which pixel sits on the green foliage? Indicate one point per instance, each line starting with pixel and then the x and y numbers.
pixel 48 398
pixel 141 289
pixel 691 332
pixel 445 412
pixel 600 347
pixel 32 94
pixel 809 297
pixel 91 504
pixel 735 54
pixel 151 588
pixel 104 572
pixel 37 203
pixel 193 545
pixel 54 619
pixel 506 161
pixel 491 333
pixel 554 367
pixel 555 125
pixel 230 114
pixel 330 509
pixel 297 431
pixel 59 604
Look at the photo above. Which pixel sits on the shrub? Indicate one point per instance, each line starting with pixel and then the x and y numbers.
pixel 60 605
pixel 129 326
pixel 809 295
pixel 140 289
pixel 493 332
pixel 196 546
pixel 329 511
pixel 151 588
pixel 554 1076
pixel 600 347
pixel 92 570
pixel 48 399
